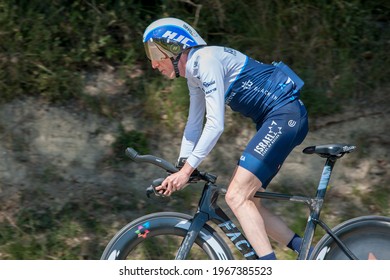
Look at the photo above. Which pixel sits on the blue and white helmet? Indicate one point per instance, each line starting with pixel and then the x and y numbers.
pixel 169 37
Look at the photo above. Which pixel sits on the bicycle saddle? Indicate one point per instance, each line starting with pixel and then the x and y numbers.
pixel 329 150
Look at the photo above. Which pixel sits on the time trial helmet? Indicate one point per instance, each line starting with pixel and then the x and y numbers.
pixel 169 37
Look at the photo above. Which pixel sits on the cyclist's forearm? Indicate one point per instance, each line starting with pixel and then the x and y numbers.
pixel 187 169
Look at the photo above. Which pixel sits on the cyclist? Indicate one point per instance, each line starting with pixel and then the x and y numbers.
pixel 266 93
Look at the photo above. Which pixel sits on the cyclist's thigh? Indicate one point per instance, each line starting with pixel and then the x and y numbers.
pixel 273 142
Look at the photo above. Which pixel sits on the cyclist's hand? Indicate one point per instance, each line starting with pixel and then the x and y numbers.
pixel 173 182
pixel 176 181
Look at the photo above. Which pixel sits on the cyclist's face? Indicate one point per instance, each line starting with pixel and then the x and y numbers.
pixel 165 67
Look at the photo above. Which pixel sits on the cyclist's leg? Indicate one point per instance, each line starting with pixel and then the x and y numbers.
pixel 261 160
pixel 239 197
pixel 276 228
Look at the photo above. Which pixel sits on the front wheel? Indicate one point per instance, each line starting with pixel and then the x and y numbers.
pixel 158 237
pixel 367 237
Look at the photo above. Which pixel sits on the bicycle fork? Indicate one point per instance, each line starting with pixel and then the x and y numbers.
pixel 202 216
pixel 196 225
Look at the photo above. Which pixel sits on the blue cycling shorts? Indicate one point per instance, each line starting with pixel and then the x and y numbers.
pixel 276 137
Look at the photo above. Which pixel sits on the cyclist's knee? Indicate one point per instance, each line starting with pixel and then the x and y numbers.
pixel 240 192
pixel 234 199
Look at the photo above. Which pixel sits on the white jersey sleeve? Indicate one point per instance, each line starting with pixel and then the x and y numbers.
pixel 194 126
pixel 207 90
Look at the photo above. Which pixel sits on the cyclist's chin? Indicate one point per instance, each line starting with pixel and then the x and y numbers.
pixel 169 75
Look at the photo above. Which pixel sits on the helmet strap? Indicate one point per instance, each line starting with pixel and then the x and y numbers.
pixel 175 62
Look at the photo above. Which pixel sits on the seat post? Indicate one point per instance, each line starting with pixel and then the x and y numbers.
pixel 325 177
pixel 316 206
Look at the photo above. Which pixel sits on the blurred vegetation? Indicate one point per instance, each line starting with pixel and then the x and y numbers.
pixel 48 47
pixel 134 139
pixel 339 47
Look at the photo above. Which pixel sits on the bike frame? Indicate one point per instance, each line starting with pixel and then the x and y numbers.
pixel 208 210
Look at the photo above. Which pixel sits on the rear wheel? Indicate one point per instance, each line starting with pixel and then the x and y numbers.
pixel 367 237
pixel 158 237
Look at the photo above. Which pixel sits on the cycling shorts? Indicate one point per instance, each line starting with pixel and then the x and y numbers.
pixel 276 137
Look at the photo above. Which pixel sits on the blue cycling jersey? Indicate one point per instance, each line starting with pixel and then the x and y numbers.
pixel 217 76
pixel 259 89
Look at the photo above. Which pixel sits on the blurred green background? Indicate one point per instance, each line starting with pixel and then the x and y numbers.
pixel 48 50
pixel 340 48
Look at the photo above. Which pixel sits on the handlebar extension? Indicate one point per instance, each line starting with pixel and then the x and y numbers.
pixel 133 154
pixel 169 167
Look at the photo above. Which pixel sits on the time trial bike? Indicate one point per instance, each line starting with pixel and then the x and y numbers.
pixel 172 235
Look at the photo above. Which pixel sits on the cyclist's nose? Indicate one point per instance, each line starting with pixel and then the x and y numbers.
pixel 155 64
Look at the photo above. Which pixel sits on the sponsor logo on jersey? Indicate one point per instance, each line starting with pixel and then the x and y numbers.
pixel 269 139
pixel 206 87
pixel 291 123
pixel 195 67
pixel 210 90
pixel 229 50
pixel 230 97
pixel 247 84
pixel 207 84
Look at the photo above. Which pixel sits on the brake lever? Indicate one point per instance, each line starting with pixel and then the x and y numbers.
pixel 152 188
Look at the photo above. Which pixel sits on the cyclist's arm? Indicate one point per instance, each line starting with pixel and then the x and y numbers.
pixel 211 81
pixel 193 128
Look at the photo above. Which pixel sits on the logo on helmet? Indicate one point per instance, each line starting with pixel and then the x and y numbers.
pixel 178 38
pixel 189 30
pixel 174 49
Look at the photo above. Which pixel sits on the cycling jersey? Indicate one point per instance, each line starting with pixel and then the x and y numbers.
pixel 219 76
